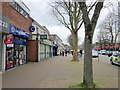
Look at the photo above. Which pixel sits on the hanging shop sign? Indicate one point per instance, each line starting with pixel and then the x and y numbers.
pixel 4 24
pixel 9 39
pixel 32 29
pixel 43 36
pixel 18 32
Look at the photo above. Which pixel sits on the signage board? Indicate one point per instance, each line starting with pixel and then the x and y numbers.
pixel 48 42
pixel 9 39
pixel 18 32
pixel 43 36
pixel 10 45
pixel 32 28
pixel 4 24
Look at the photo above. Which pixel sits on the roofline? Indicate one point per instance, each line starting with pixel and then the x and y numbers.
pixel 57 36
pixel 25 5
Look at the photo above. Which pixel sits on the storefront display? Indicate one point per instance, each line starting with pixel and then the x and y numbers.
pixel 16 53
pixel 22 54
pixel 9 56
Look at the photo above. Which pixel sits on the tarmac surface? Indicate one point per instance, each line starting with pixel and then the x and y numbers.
pixel 58 72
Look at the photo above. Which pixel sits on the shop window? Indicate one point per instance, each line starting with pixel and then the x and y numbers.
pixel 42 51
pixel 19 9
pixel 12 4
pixel 16 37
pixel 16 55
pixel 22 39
pixel 9 55
pixel 22 55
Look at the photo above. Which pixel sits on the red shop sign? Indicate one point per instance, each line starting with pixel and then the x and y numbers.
pixel 9 39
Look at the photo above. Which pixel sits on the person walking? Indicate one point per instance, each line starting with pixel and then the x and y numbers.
pixel 63 52
pixel 80 53
pixel 66 52
pixel 72 52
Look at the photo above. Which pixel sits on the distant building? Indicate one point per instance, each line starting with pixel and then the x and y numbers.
pixel 106 46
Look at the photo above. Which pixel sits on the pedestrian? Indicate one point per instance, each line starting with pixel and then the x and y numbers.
pixel 60 53
pixel 63 52
pixel 66 52
pixel 72 52
pixel 80 53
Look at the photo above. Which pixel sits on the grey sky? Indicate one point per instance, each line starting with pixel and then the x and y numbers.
pixel 40 11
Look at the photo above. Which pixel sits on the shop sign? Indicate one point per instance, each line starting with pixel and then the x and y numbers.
pixel 4 24
pixel 46 42
pixel 9 39
pixel 43 36
pixel 10 45
pixel 21 42
pixel 32 28
pixel 18 32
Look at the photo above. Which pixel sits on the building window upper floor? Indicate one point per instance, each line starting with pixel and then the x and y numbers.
pixel 18 8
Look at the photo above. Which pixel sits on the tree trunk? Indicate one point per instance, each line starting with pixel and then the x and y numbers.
pixel 75 46
pixel 88 72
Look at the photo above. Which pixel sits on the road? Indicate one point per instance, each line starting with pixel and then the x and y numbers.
pixel 105 59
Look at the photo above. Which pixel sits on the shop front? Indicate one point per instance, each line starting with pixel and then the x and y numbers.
pixel 16 47
pixel 45 49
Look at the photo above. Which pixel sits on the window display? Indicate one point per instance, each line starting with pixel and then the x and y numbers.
pixel 9 55
pixel 22 54
pixel 16 55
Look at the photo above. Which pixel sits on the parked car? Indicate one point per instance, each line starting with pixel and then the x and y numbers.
pixel 108 53
pixel 94 53
pixel 99 52
pixel 103 52
pixel 115 58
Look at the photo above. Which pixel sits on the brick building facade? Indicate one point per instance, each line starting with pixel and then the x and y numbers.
pixel 15 42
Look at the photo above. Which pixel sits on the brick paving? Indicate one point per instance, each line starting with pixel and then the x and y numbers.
pixel 58 72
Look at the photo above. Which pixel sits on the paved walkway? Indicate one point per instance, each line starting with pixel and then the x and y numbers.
pixel 58 72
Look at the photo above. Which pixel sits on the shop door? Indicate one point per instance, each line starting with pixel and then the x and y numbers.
pixel 16 55
pixel 42 51
pixel 22 55
pixel 9 56
pixel 47 51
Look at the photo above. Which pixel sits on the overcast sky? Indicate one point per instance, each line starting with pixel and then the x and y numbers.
pixel 40 11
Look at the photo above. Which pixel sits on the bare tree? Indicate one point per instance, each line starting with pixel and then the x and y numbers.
pixel 104 38
pixel 89 25
pixel 72 14
pixel 68 13
pixel 111 24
